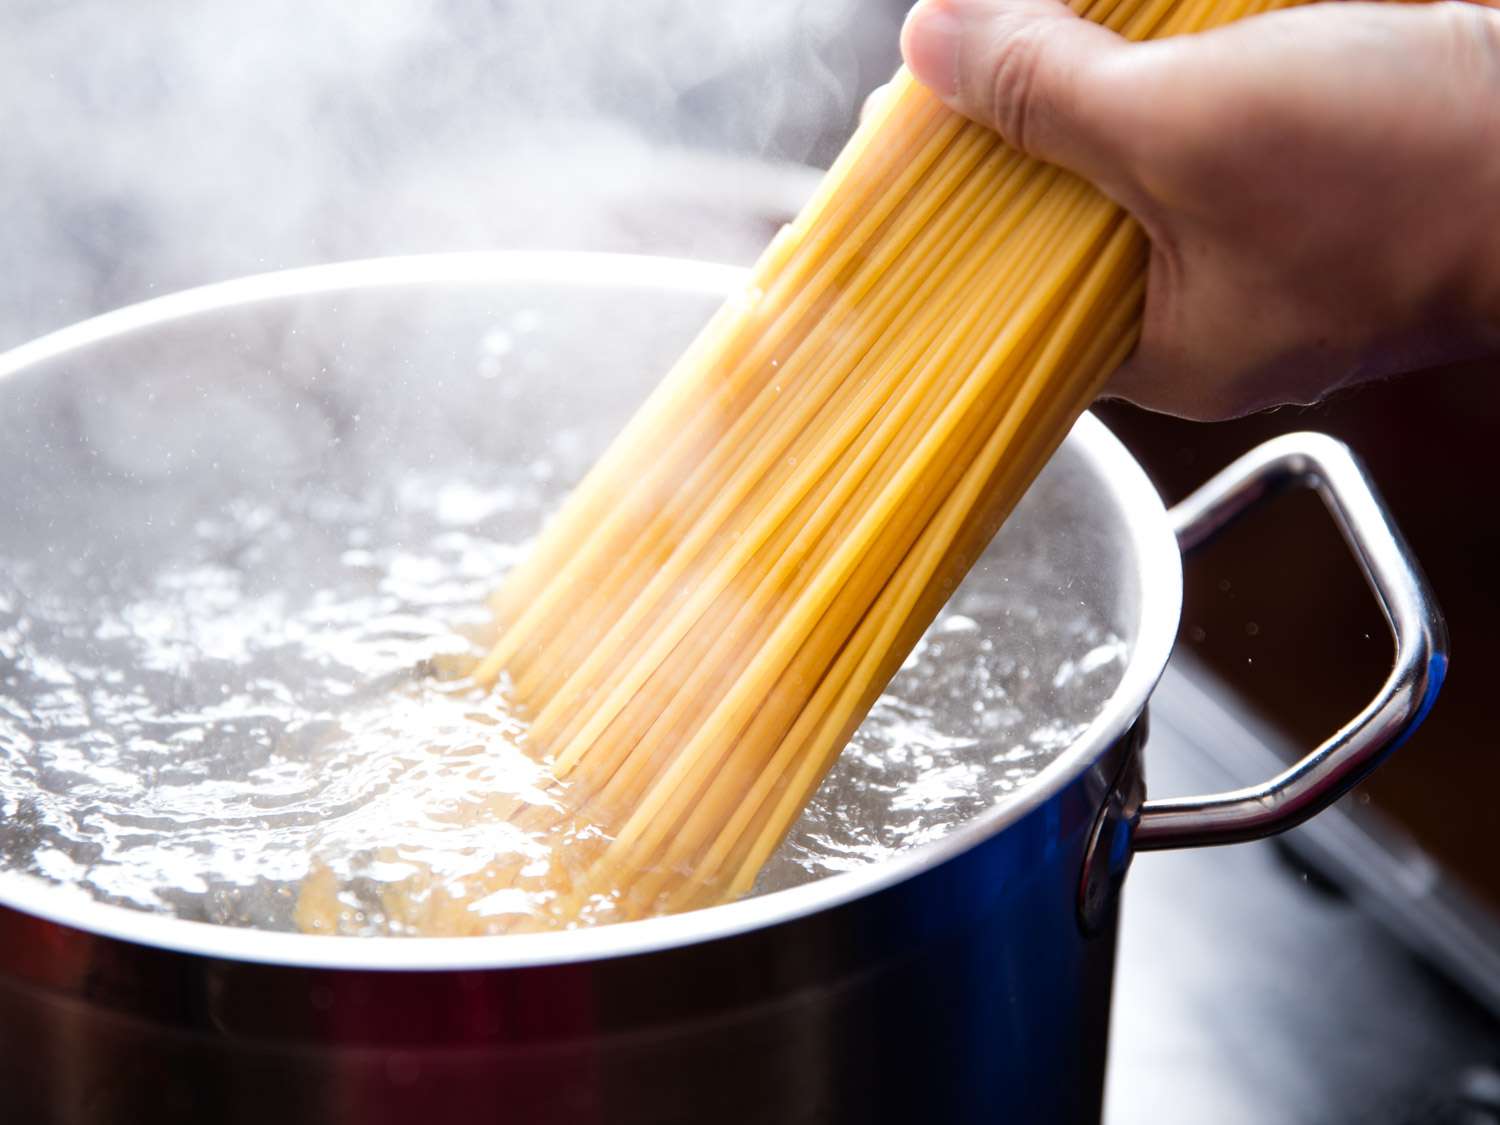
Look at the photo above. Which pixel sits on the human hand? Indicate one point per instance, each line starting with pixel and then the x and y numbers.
pixel 1321 186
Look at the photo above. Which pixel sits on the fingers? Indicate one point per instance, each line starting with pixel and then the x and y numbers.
pixel 1030 69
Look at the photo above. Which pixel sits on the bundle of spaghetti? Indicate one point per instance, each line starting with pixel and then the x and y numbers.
pixel 702 627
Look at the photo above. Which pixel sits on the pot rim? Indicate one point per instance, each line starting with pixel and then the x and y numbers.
pixel 1152 543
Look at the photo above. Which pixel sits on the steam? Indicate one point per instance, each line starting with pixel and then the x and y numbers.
pixel 151 146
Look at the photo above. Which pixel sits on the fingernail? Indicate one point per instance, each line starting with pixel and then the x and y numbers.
pixel 930 43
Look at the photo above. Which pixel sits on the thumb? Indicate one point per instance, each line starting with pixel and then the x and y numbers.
pixel 1029 69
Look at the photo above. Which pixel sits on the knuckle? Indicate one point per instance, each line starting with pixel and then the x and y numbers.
pixel 1016 92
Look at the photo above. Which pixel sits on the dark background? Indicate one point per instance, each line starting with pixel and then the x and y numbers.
pixel 1278 609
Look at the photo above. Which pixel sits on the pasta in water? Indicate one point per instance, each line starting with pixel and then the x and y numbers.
pixel 699 630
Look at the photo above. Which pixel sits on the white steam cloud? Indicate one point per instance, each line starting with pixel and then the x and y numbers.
pixel 149 146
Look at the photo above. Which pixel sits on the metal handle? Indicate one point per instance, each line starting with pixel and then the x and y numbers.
pixel 1314 461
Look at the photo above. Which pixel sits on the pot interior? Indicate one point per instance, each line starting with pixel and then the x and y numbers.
pixel 245 532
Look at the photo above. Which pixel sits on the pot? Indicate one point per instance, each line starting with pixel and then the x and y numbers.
pixel 962 980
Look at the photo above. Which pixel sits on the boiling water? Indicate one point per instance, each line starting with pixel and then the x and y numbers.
pixel 188 743
pixel 242 569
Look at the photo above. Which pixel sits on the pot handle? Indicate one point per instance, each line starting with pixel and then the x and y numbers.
pixel 1307 460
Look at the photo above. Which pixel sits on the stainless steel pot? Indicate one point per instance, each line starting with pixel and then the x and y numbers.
pixel 966 980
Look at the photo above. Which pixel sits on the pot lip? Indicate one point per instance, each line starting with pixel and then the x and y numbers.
pixel 1153 545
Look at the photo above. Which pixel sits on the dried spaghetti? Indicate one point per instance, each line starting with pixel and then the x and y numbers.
pixel 698 632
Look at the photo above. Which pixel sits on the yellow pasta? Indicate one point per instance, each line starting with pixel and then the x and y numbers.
pixel 698 632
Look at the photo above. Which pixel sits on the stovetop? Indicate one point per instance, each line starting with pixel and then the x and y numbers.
pixel 1251 989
